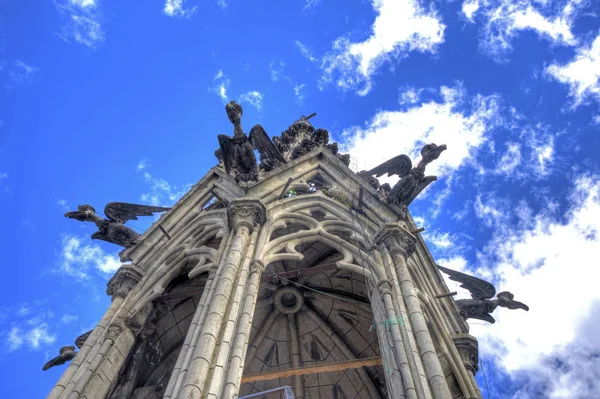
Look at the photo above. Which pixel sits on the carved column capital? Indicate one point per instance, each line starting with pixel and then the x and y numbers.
pixel 114 330
pixel 246 212
pixel 384 286
pixel 212 272
pixel 397 239
pixel 123 281
pixel 469 351
pixel 257 266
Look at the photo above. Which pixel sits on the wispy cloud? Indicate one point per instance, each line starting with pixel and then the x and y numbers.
pixel 306 51
pixel 161 192
pixel 28 327
pixel 254 98
pixel 78 258
pixel 401 27
pixel 20 73
pixel 221 85
pixel 276 69
pixel 174 8
pixel 582 74
pixel 62 203
pixel 4 188
pixel 504 19
pixel 142 164
pixel 299 91
pixel 83 22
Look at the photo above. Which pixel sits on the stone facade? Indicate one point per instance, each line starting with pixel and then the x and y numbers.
pixel 246 278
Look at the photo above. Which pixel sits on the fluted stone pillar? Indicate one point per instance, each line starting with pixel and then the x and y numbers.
pixel 222 313
pixel 401 244
pixel 118 288
pixel 468 349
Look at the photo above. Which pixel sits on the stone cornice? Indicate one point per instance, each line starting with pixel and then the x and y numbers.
pixel 397 239
pixel 123 281
pixel 246 212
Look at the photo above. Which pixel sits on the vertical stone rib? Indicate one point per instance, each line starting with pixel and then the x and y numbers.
pixel 183 354
pixel 193 384
pixel 296 361
pixel 228 340
pixel 435 375
pixel 88 350
pixel 401 359
pixel 194 332
pixel 404 334
pixel 240 346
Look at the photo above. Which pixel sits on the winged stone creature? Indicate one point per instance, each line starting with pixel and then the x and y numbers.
pixel 113 228
pixel 482 292
pixel 412 180
pixel 237 152
pixel 67 353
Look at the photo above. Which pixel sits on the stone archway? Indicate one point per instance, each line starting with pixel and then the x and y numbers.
pixel 313 313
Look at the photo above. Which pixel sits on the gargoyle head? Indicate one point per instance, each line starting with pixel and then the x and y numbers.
pixel 234 111
pixel 505 299
pixel 431 151
pixel 84 213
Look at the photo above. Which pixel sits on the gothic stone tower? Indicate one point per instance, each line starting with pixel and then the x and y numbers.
pixel 297 272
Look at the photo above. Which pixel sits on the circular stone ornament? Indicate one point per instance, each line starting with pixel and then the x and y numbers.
pixel 288 299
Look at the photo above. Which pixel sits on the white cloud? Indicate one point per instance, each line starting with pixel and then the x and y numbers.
pixel 276 70
pixel 21 73
pixel 63 204
pixel 401 26
pixel 15 339
pixel 4 189
pixel 311 4
pixel 582 74
pixel 510 160
pixel 68 318
pixel 305 51
pixel 174 8
pixel 299 91
pixel 549 265
pixel 221 85
pixel 142 164
pixel 504 19
pixel 456 122
pixel 83 22
pixel 76 258
pixel 254 98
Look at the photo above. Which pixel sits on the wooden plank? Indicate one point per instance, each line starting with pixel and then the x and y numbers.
pixel 321 368
pixel 284 191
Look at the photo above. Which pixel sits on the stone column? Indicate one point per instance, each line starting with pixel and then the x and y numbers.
pixel 401 244
pixel 469 352
pixel 244 215
pixel 391 322
pixel 118 287
pixel 192 335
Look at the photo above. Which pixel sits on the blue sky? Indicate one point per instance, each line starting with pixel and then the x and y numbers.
pixel 102 101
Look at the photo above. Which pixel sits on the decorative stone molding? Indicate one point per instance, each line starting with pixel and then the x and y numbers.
pixel 212 272
pixel 114 330
pixel 468 349
pixel 397 239
pixel 123 281
pixel 288 299
pixel 257 266
pixel 385 287
pixel 248 212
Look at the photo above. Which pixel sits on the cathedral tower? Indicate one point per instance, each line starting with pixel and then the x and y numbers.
pixel 292 271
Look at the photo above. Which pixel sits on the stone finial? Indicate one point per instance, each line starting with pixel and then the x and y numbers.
pixel 397 239
pixel 247 212
pixel 123 281
pixel 468 349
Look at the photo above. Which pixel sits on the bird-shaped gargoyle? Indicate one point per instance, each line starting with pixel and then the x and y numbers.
pixel 412 180
pixel 113 229
pixel 482 292
pixel 237 152
pixel 67 353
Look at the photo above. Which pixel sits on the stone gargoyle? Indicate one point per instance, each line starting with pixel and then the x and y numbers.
pixel 67 353
pixel 412 180
pixel 237 152
pixel 113 229
pixel 482 292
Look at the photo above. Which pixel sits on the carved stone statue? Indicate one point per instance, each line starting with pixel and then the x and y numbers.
pixel 67 353
pixel 301 138
pixel 412 180
pixel 113 229
pixel 237 152
pixel 482 292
